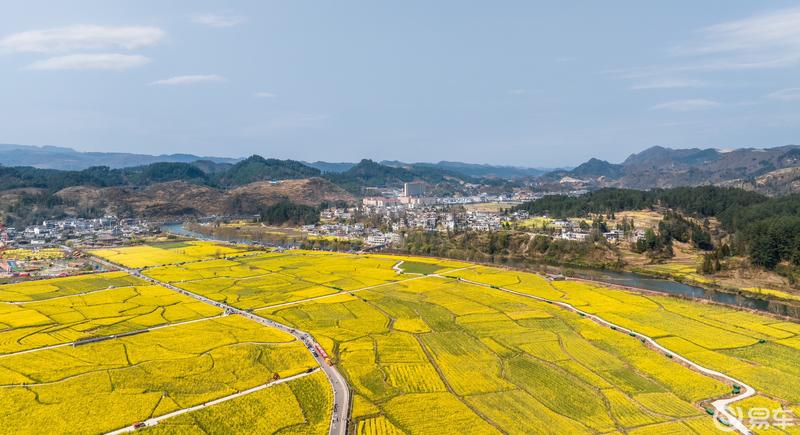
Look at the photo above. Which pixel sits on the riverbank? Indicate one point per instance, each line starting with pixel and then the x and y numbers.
pixel 624 279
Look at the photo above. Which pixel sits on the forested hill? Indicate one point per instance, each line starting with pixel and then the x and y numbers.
pixel 766 229
pixel 247 171
pixel 370 173
pixel 224 175
pixel 257 168
pixel 704 200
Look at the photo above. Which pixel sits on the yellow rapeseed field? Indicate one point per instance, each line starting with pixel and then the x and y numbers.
pixel 111 384
pixel 299 406
pixel 420 352
pixel 162 254
pixel 33 254
pixel 58 287
pixel 96 314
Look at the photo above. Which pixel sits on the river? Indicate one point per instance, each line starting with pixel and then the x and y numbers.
pixel 179 230
pixel 627 279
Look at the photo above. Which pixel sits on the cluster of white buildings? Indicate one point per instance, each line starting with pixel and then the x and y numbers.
pixel 370 236
pixel 413 196
pixel 569 231
pixel 54 232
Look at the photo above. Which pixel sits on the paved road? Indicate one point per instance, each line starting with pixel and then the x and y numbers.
pixel 719 405
pixel 155 420
pixel 341 391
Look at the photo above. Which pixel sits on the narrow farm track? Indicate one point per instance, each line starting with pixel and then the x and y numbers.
pixel 155 420
pixel 108 337
pixel 719 405
pixel 350 292
pixel 341 391
pixel 76 295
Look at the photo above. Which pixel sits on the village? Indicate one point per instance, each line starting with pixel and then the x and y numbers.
pixel 383 220
pixel 40 251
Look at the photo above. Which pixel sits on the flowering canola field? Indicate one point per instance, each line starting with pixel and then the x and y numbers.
pixel 424 352
pixel 420 352
pixel 95 353
pixel 112 384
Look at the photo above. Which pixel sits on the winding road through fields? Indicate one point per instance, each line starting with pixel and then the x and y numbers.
pixel 341 391
pixel 720 405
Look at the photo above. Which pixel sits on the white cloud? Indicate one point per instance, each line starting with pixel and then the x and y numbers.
pixel 103 61
pixel 789 94
pixel 768 40
pixel 81 38
pixel 215 20
pixel 774 31
pixel 763 41
pixel 190 79
pixel 686 105
pixel 669 83
pixel 264 95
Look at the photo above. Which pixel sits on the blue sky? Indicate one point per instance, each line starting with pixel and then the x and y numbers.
pixel 516 82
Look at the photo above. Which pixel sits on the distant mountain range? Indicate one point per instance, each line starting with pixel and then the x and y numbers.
pixel 52 157
pixel 468 169
pixel 772 171
pixel 203 187
pixel 476 170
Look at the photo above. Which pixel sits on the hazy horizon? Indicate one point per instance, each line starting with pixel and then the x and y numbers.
pixel 528 85
pixel 354 161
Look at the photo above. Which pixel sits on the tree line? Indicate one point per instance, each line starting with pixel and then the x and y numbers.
pixel 765 229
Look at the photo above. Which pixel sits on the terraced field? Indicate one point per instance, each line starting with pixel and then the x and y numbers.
pixel 493 362
pixel 266 279
pixel 32 291
pixel 299 406
pixel 158 254
pixel 440 345
pixel 96 353
pixel 133 378
pixel 117 310
pixel 757 349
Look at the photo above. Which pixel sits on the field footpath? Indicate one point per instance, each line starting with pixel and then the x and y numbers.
pixel 155 420
pixel 397 268
pixel 341 390
pixel 89 340
pixel 719 405
pixel 34 301
pixel 350 292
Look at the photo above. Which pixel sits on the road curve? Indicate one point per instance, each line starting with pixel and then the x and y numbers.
pixel 341 391
pixel 720 405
